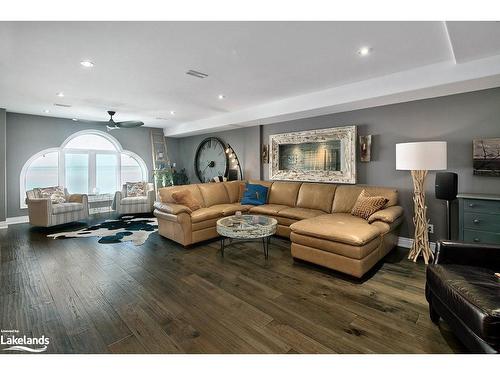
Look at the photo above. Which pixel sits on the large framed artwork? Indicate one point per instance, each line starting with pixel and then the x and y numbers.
pixel 486 157
pixel 324 155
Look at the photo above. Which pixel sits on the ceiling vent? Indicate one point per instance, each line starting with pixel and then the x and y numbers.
pixel 62 105
pixel 196 74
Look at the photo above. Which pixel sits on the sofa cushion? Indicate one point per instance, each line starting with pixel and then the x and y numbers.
pixel 62 208
pixel 366 205
pixel 349 251
pixel 133 200
pixel 472 293
pixel 268 209
pixel 346 196
pixel 166 193
pixel 254 194
pixel 214 193
pixel 338 227
pixel 316 196
pixel 185 198
pixel 228 209
pixel 205 214
pixel 300 213
pixel 234 190
pixel 284 193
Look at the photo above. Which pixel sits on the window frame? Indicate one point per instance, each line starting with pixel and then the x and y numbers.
pixel 91 155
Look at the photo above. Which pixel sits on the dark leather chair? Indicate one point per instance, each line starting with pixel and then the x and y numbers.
pixel 462 289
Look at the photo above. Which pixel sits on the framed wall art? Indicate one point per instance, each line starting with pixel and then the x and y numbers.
pixel 486 157
pixel 324 155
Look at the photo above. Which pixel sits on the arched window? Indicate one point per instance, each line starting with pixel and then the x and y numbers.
pixel 88 162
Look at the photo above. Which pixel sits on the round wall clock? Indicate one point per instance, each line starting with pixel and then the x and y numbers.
pixel 211 159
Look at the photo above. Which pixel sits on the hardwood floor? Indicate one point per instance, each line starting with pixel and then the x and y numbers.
pixel 161 298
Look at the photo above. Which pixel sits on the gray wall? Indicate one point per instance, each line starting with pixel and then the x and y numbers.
pixel 245 143
pixel 3 174
pixel 457 119
pixel 28 134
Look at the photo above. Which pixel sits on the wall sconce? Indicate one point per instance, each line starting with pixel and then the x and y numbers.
pixel 265 154
pixel 365 148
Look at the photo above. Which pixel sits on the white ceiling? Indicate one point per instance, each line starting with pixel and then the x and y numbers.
pixel 269 71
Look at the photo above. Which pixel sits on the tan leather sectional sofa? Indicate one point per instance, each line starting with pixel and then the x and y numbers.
pixel 316 217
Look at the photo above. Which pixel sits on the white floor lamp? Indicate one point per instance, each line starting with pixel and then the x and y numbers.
pixel 420 157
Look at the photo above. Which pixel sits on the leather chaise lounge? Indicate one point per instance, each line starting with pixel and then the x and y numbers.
pixel 314 216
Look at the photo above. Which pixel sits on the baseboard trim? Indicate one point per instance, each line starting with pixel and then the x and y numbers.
pixel 407 243
pixel 14 220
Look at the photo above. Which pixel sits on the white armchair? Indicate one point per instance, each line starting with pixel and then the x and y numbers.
pixel 136 204
pixel 45 213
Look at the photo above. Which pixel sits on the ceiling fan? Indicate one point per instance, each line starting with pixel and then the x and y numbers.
pixel 113 125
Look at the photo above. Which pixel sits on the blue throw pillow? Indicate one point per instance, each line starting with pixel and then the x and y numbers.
pixel 254 194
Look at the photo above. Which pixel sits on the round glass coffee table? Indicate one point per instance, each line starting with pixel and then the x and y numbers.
pixel 247 227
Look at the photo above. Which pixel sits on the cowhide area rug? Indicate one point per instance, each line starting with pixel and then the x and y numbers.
pixel 128 228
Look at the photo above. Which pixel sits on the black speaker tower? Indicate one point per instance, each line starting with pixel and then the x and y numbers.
pixel 446 188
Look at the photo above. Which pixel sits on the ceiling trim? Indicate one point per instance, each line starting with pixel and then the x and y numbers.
pixel 430 81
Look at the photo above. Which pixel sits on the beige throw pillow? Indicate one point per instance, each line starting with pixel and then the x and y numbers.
pixel 367 205
pixel 54 193
pixel 186 198
pixel 136 189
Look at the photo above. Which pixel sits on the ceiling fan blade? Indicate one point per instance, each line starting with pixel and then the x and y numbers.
pixel 129 124
pixel 94 122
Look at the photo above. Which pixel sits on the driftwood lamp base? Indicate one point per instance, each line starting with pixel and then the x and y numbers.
pixel 421 238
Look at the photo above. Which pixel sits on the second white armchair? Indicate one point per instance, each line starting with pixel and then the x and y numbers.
pixel 131 200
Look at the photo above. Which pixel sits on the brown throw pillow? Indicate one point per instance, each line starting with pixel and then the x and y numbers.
pixel 366 205
pixel 187 199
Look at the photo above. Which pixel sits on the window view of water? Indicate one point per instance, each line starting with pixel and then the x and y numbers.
pixel 44 171
pixel 106 170
pixel 77 173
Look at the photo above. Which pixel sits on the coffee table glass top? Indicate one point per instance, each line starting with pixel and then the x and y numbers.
pixel 247 226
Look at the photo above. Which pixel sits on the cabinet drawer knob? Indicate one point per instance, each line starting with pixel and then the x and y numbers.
pixel 477 239
pixel 471 204
pixel 476 221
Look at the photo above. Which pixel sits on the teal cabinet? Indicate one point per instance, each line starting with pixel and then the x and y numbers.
pixel 479 218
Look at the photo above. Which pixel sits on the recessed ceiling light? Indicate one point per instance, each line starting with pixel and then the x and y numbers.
pixel 46 111
pixel 87 63
pixel 172 113
pixel 221 96
pixel 74 119
pixel 60 94
pixel 364 51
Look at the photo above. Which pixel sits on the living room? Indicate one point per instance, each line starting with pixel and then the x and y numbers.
pixel 291 186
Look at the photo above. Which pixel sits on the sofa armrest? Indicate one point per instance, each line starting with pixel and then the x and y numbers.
pixel 171 208
pixel 117 201
pixel 75 198
pixel 151 194
pixel 387 215
pixel 39 211
pixel 472 254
